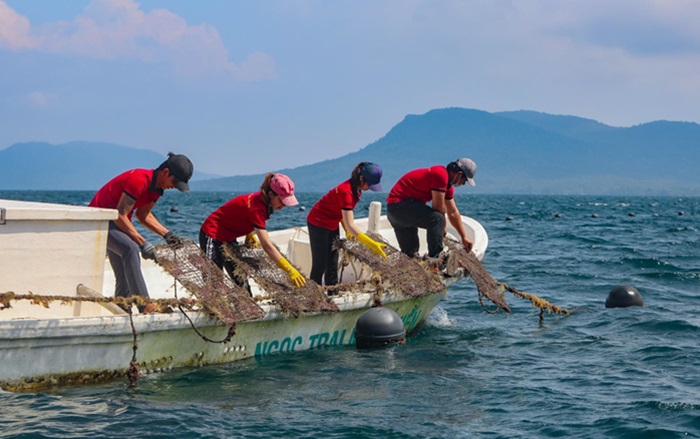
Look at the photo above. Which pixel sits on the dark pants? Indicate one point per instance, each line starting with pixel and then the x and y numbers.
pixel 214 251
pixel 125 258
pixel 407 216
pixel 324 259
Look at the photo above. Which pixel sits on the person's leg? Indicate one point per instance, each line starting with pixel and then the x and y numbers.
pixel 400 217
pixel 318 241
pixel 407 216
pixel 123 248
pixel 435 232
pixel 331 275
pixel 213 249
pixel 121 289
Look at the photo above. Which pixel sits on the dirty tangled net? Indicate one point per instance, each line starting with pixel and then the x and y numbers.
pixel 397 272
pixel 220 296
pixel 485 283
pixel 253 263
pixel 493 289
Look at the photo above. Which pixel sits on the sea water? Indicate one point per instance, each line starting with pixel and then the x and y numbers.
pixel 623 372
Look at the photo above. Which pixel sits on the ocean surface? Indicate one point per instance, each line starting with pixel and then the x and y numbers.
pixel 598 373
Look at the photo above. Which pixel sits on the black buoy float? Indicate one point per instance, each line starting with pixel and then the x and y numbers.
pixel 595 215
pixel 378 327
pixel 509 218
pixel 174 209
pixel 623 296
pixel 302 208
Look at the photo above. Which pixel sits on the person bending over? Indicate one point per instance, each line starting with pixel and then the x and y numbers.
pixel 407 208
pixel 137 191
pixel 334 208
pixel 245 214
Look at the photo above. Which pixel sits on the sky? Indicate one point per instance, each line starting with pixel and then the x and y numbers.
pixel 244 87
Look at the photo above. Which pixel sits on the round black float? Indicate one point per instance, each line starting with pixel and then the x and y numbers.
pixel 174 209
pixel 378 327
pixel 623 296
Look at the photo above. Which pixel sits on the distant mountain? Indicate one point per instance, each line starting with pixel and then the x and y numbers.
pixel 517 152
pixel 72 166
pixel 521 152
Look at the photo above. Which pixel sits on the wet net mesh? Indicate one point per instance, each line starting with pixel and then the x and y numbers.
pixel 253 263
pixel 220 296
pixel 486 285
pixel 397 272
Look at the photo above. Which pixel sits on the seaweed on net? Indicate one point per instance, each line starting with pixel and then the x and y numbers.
pixel 493 289
pixel 292 301
pixel 486 285
pixel 220 296
pixel 397 272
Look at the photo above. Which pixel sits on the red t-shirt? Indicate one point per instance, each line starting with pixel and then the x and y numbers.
pixel 237 217
pixel 328 211
pixel 419 184
pixel 136 183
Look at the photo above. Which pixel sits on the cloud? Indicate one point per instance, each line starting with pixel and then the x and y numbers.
pixel 121 30
pixel 14 29
pixel 38 99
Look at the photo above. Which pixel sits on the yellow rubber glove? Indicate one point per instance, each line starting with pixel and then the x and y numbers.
pixel 251 240
pixel 376 247
pixel 296 277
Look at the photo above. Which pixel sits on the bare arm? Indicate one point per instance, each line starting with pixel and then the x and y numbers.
pixel 349 223
pixel 149 221
pixel 438 202
pixel 125 205
pixel 455 219
pixel 267 245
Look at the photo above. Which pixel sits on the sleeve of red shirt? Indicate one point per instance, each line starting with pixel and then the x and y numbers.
pixel 438 179
pixel 136 185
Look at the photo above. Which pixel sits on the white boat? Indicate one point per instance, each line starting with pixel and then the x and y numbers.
pixel 52 249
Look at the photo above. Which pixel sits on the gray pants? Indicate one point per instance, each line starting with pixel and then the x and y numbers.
pixel 125 259
pixel 407 216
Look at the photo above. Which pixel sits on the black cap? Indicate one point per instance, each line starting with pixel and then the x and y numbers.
pixel 181 168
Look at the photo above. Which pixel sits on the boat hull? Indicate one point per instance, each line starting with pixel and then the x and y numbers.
pixel 47 352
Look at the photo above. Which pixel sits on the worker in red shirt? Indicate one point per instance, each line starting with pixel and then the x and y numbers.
pixel 334 208
pixel 137 191
pixel 407 208
pixel 245 214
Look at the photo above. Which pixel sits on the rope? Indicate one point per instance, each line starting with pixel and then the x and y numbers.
pixel 229 335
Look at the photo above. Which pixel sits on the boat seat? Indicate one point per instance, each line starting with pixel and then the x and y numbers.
pixel 299 254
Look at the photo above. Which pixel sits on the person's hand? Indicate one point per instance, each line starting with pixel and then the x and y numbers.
pixel 251 241
pixel 376 247
pixel 148 250
pixel 294 275
pixel 468 244
pixel 173 239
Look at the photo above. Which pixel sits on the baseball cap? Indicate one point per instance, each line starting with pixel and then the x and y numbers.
pixel 468 168
pixel 372 173
pixel 284 187
pixel 181 168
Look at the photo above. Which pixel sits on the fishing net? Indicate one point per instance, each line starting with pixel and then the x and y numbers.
pixel 486 285
pixel 293 301
pixel 493 289
pixel 397 272
pixel 220 296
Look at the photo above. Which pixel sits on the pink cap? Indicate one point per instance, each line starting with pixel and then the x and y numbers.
pixel 284 187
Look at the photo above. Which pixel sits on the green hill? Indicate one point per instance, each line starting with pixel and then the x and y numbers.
pixel 518 152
